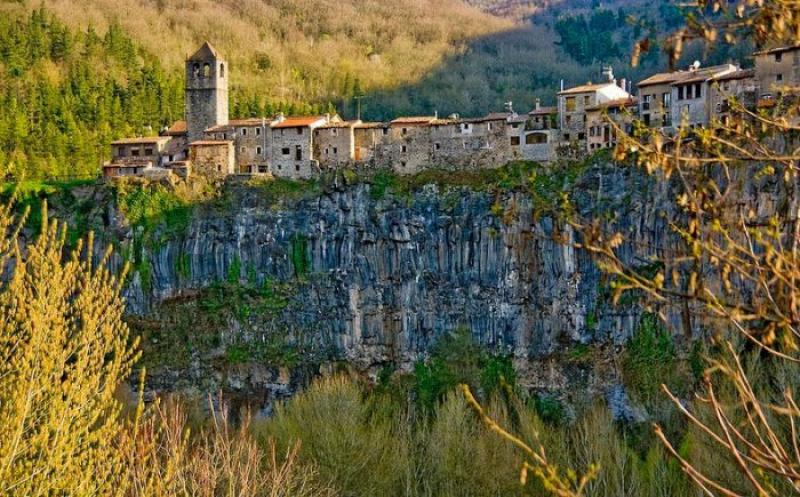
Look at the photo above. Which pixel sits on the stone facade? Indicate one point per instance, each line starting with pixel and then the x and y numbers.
pixel 777 69
pixel 213 159
pixel 292 146
pixel 251 138
pixel 573 102
pixel 605 119
pixel 334 144
pixel 686 103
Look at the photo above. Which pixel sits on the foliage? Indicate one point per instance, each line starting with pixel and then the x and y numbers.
pixel 298 251
pixel 455 359
pixel 64 351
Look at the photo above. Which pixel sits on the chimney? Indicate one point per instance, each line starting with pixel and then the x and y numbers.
pixel 538 104
pixel 608 73
pixel 562 85
pixel 436 114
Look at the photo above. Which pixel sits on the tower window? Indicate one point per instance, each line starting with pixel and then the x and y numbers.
pixel 206 70
pixel 222 70
pixel 196 69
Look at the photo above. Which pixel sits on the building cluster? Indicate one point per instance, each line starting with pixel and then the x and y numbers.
pixel 585 119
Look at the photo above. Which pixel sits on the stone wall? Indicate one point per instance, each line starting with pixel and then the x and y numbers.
pixel 291 153
pixel 213 159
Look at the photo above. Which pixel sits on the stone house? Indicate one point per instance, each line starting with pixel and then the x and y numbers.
pixel 291 153
pixel 573 102
pixel 777 70
pixel 334 144
pixel 407 148
pixel 134 156
pixel 213 158
pixel 738 86
pixel 251 139
pixel 369 140
pixel 604 119
pixel 686 102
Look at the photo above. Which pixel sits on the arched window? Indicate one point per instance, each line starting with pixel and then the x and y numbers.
pixel 206 70
pixel 222 70
pixel 196 69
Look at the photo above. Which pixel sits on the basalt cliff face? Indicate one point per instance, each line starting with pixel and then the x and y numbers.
pixel 374 279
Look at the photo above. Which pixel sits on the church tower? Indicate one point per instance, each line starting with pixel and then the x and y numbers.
pixel 206 91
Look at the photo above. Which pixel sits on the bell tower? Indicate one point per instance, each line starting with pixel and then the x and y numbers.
pixel 206 91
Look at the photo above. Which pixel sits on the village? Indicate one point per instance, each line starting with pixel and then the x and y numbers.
pixel 586 119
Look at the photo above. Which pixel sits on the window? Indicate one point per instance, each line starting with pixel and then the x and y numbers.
pixel 489 126
pixel 515 126
pixel 403 164
pixel 297 167
pixel 244 131
pixel 586 101
pixel 242 149
pixel 666 120
pixel 196 70
pixel 778 57
pixel 698 90
pixel 680 93
pixel 404 149
pixel 570 104
pixel 335 132
pixel 568 120
pixel 385 131
pixel 404 131
pixel 536 138
pixel 515 141
pixel 148 151
pixel 646 102
pixel 581 136
pixel 286 151
pixel 206 70
pixel 298 153
pixel 134 152
pixel 666 99
pixel 779 77
pixel 258 150
pixel 219 168
pixel 258 131
pixel 299 131
pixel 222 70
pixel 335 151
pixel 437 146
pixel 646 119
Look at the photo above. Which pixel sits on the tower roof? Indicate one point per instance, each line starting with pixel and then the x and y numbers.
pixel 206 52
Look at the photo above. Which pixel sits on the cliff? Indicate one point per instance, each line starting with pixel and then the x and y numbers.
pixel 265 282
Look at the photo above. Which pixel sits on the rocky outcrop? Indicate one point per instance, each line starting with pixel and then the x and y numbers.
pixel 380 279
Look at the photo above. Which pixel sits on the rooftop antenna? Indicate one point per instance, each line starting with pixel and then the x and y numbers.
pixel 510 107
pixel 358 106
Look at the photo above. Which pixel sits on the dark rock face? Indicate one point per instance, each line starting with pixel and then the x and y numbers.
pixel 381 279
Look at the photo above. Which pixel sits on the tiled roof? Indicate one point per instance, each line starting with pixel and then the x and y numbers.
pixel 543 111
pixel 414 120
pixel 587 88
pixel 692 76
pixel 178 128
pixel 740 74
pixel 777 50
pixel 371 125
pixel 143 140
pixel 340 124
pixel 210 143
pixel 619 102
pixel 298 122
pixel 206 52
